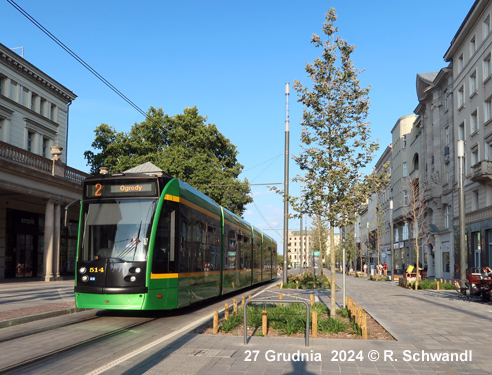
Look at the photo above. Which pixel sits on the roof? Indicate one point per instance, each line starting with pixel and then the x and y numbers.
pixel 147 167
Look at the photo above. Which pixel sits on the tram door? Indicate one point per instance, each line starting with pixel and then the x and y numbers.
pixel 24 255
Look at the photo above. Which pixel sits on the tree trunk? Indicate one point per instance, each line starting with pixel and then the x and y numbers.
pixel 333 305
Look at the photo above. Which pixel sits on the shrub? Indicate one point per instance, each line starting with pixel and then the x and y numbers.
pixel 331 325
pixel 234 321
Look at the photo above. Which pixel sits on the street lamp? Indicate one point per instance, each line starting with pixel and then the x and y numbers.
pixel 286 182
pixel 391 242
pixel 461 157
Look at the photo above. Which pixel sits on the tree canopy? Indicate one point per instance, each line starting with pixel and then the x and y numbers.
pixel 336 144
pixel 183 146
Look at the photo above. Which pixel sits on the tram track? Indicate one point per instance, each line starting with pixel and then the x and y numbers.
pixel 35 360
pixel 46 329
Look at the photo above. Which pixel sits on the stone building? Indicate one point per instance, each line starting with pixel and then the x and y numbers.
pixel 470 58
pixel 35 182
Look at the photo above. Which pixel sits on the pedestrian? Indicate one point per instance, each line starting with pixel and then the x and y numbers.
pixel 385 269
pixel 365 269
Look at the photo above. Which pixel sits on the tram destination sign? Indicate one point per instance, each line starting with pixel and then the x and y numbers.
pixel 120 188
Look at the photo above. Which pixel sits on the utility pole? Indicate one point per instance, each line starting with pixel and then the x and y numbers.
pixel 286 183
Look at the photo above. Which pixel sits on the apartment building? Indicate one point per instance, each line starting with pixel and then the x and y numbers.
pixel 300 252
pixel 35 182
pixel 469 56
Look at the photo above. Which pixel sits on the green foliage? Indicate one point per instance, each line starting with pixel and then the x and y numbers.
pixel 332 325
pixel 429 284
pixel 306 281
pixel 343 312
pixel 184 146
pixel 234 321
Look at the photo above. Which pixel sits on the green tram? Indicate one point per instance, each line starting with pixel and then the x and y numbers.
pixel 155 243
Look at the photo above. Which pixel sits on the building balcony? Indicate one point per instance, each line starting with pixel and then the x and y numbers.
pixel 482 172
pixel 16 155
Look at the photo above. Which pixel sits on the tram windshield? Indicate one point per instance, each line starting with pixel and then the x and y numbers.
pixel 117 229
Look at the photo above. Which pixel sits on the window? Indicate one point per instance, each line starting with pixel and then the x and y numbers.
pixel 487 67
pixel 474 157
pixel 473 84
pixel 446 216
pixel 405 198
pixel 30 137
pixel 486 26
pixel 488 110
pixel 473 122
pixel 461 132
pixel 488 192
pixel 473 45
pixel 461 97
pixel 404 235
pixel 460 63
pixel 475 200
pixel 405 141
pixel 46 143
pixel 34 99
pixel 405 170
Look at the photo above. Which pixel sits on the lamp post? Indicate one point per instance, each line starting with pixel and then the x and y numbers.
pixel 461 157
pixel 343 266
pixel 286 183
pixel 392 245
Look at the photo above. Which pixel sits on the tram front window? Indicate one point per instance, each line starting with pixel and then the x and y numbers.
pixel 117 229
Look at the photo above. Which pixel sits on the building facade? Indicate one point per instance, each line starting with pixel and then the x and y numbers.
pixel 470 58
pixel 35 182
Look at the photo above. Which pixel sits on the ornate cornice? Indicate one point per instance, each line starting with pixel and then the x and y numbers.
pixel 35 75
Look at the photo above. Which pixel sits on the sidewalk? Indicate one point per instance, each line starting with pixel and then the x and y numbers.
pixel 435 332
pixel 24 300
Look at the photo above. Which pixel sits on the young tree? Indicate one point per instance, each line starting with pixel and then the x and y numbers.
pixel 335 138
pixel 184 146
pixel 416 217
pixel 319 238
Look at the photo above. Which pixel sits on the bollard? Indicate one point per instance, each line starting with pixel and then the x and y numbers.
pixel 297 284
pixel 235 306
pixel 280 297
pixel 242 301
pixel 364 327
pixel 314 328
pixel 249 297
pixel 281 285
pixel 354 310
pixel 216 322
pixel 311 297
pixel 226 311
pixel 264 323
pixel 438 285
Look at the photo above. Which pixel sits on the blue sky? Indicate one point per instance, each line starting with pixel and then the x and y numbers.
pixel 231 59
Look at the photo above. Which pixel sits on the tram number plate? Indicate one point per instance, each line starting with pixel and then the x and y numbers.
pixel 96 270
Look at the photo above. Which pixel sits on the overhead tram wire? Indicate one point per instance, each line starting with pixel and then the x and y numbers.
pixel 76 57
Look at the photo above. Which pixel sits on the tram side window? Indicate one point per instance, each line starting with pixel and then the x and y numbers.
pixel 212 246
pixel 193 237
pixel 246 252
pixel 257 254
pixel 231 252
pixel 165 243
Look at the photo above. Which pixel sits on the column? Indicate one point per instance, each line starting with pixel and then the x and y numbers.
pixel 56 241
pixel 48 240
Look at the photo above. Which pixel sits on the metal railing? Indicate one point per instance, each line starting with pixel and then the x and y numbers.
pixel 266 300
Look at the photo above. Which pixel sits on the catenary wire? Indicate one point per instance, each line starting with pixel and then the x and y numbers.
pixel 76 57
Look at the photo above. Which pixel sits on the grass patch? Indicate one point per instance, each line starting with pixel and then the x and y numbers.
pixel 307 281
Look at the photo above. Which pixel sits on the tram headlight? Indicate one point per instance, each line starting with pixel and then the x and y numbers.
pixel 82 270
pixel 85 278
pixel 137 270
pixel 133 278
